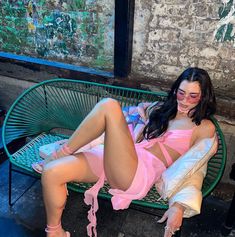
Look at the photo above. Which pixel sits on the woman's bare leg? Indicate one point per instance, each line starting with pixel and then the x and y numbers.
pixel 54 177
pixel 120 159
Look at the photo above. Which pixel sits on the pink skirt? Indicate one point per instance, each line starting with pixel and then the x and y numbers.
pixel 148 171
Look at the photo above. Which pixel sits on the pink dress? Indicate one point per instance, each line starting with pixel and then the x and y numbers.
pixel 148 171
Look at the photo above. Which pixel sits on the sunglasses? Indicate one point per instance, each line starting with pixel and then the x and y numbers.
pixel 191 98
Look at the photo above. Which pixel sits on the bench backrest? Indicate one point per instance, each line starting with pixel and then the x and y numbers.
pixel 64 103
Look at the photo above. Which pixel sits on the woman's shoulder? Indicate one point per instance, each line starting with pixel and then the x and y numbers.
pixel 207 124
pixel 206 129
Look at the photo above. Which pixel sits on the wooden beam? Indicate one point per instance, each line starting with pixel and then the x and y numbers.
pixel 123 37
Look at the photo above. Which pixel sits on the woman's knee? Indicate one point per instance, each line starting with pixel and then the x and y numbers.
pixel 50 174
pixel 110 105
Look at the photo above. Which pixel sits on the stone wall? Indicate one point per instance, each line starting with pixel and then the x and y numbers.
pixel 170 35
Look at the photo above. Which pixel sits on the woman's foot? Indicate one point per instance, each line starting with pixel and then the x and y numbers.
pixel 38 166
pixel 51 152
pixel 47 150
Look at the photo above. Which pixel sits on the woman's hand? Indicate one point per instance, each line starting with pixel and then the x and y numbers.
pixel 174 217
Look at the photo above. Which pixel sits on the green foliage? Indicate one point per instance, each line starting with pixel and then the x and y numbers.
pixel 42 3
pixel 13 29
pixel 51 33
pixel 102 62
pixel 74 5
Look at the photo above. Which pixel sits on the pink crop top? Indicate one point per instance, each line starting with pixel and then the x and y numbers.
pixel 177 139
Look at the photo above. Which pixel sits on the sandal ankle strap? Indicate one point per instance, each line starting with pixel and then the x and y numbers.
pixel 54 228
pixel 54 155
pixel 64 149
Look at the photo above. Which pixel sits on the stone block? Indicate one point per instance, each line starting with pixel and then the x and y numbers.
pixel 212 11
pixel 175 2
pixel 176 22
pixel 208 52
pixel 208 64
pixel 141 20
pixel 159 9
pixel 198 9
pixel 171 59
pixel 227 67
pixel 226 52
pixel 139 45
pixel 204 25
pixel 194 50
pixel 165 35
pixel 177 10
pixel 192 37
pixel 169 70
pixel 186 61
pixel 215 77
pixel 223 107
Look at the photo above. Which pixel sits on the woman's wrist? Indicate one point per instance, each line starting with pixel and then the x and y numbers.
pixel 179 206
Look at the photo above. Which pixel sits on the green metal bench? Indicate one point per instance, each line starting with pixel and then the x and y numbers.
pixel 51 110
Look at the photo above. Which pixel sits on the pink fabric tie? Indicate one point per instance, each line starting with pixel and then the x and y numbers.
pixel 91 199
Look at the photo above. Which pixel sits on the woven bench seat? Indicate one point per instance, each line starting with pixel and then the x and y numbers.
pixel 29 154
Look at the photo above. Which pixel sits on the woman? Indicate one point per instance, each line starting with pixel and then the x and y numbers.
pixel 130 169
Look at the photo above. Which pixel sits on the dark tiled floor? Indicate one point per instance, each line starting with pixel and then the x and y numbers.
pixel 10 228
pixel 27 217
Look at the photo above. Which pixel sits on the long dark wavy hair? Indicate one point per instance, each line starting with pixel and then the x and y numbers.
pixel 159 117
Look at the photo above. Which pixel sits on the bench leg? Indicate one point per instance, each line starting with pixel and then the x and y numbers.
pixel 9 184
pixel 11 170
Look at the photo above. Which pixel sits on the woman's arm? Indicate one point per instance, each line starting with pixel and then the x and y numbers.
pixel 187 198
pixel 190 195
pixel 205 130
pixel 185 203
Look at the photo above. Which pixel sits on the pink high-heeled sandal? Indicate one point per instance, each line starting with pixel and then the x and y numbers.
pixel 64 149
pixel 46 151
pixel 51 229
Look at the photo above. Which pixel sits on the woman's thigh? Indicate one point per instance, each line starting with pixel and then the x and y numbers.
pixel 120 158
